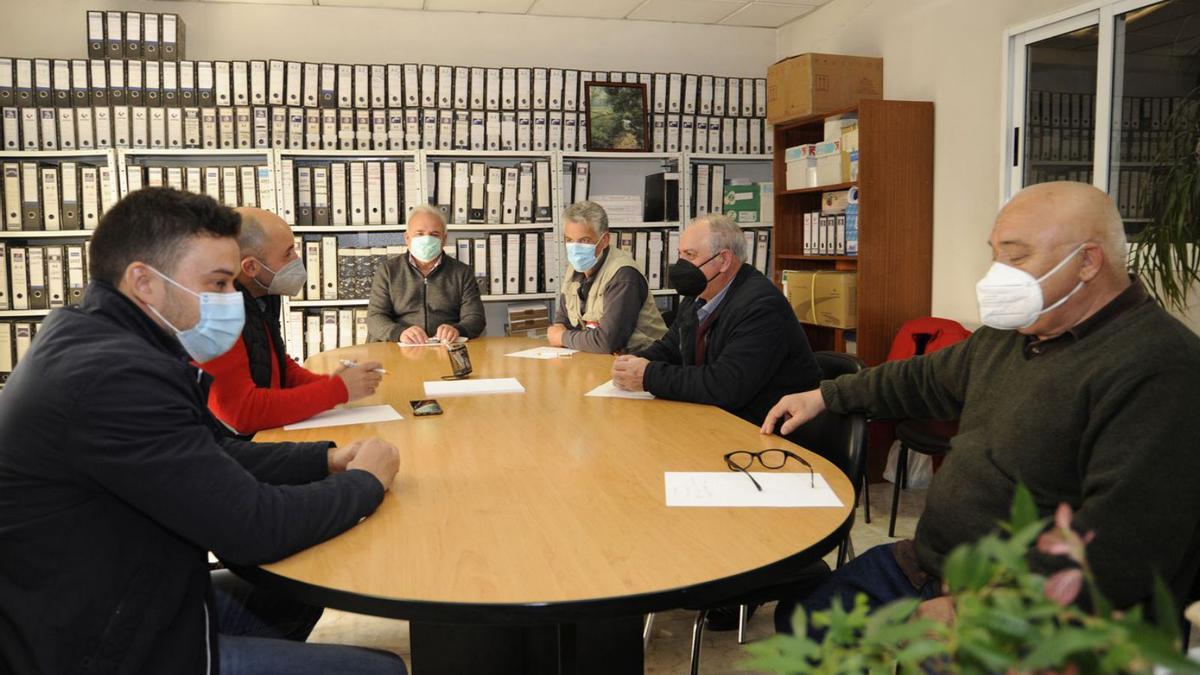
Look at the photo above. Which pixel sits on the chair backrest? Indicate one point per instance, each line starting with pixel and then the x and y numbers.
pixel 842 439
pixel 925 336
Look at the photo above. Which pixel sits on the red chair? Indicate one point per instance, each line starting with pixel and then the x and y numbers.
pixel 928 437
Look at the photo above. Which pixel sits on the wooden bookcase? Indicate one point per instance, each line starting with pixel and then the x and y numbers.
pixel 895 221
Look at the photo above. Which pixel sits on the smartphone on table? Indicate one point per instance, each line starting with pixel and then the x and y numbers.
pixel 426 406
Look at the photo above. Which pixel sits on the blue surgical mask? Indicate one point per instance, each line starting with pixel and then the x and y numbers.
pixel 425 248
pixel 222 316
pixel 581 256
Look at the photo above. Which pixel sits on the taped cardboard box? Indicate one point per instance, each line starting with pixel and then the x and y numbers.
pixel 823 298
pixel 808 84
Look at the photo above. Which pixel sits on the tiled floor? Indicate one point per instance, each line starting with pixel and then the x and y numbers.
pixel 671 641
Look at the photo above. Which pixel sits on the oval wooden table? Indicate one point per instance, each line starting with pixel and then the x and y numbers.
pixel 529 532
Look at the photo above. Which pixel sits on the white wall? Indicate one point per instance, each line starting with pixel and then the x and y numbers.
pixel 949 52
pixel 56 28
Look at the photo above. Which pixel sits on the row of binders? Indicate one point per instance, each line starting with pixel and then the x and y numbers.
pixel 231 185
pixel 708 188
pixel 340 273
pixel 55 196
pixel 134 35
pixel 512 263
pixel 15 338
pixel 42 277
pixel 309 333
pixel 831 233
pixel 348 192
pixel 1074 111
pixel 118 79
pixel 1133 192
pixel 476 192
pixel 280 127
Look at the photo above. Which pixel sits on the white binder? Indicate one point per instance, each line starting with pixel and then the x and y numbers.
pixel 532 275
pixel 329 271
pixel 374 193
pixel 512 263
pixel 391 193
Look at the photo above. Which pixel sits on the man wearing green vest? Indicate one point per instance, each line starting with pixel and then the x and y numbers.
pixel 605 305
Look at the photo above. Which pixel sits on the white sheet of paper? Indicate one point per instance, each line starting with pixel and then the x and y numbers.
pixel 543 353
pixel 337 417
pixel 732 488
pixel 433 342
pixel 609 390
pixel 503 385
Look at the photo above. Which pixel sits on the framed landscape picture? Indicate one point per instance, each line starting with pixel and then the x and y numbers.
pixel 616 115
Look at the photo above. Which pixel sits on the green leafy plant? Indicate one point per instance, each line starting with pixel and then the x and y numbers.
pixel 1007 618
pixel 1166 253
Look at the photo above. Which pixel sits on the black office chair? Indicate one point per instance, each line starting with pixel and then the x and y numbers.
pixel 842 439
pixel 927 437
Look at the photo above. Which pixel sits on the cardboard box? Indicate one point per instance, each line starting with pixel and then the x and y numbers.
pixel 743 203
pixel 801 167
pixel 528 310
pixel 809 84
pixel 829 163
pixel 834 295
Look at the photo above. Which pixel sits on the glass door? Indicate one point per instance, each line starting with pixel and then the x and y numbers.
pixel 1055 93
pixel 1156 73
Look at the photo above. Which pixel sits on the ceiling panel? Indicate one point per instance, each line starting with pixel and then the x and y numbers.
pixel 597 9
pixel 493 6
pixel 766 15
pixel 264 2
pixel 393 4
pixel 686 11
pixel 741 13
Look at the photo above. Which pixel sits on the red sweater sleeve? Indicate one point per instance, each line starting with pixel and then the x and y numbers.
pixel 297 375
pixel 248 408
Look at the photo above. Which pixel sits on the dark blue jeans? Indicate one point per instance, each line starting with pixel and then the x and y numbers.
pixel 875 573
pixel 260 632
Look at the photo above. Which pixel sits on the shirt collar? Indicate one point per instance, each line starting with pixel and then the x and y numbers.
pixel 711 306
pixel 1133 296
pixel 436 264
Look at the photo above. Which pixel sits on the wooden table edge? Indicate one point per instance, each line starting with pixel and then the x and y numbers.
pixel 706 594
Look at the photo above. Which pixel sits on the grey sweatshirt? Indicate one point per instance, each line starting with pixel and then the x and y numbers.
pixel 402 297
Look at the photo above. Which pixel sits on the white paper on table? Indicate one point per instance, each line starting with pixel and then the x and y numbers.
pixel 732 488
pixel 431 342
pixel 543 353
pixel 503 385
pixel 609 390
pixel 337 417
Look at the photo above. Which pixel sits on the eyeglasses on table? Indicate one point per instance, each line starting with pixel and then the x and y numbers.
pixel 771 458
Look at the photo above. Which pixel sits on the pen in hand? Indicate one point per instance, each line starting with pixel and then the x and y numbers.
pixel 350 364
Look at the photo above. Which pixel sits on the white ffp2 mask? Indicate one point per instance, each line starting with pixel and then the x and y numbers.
pixel 1011 298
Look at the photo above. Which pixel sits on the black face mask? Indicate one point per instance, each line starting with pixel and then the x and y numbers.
pixel 687 277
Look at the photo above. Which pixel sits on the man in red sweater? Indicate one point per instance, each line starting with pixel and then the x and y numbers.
pixel 256 385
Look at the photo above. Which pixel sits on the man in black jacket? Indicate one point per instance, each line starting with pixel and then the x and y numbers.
pixel 735 344
pixel 115 480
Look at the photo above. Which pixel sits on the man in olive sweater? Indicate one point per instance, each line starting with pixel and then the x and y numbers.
pixel 1079 386
pixel 424 295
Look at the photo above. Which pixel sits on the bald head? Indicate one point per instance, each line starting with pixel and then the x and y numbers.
pixel 265 240
pixel 1056 217
pixel 259 229
pixel 1069 237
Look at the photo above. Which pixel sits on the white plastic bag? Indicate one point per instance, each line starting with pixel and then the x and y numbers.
pixel 920 467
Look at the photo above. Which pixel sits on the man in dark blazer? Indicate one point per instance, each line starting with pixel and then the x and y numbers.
pixel 735 344
pixel 115 481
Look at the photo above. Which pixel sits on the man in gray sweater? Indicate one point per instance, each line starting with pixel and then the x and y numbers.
pixel 1079 385
pixel 423 294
